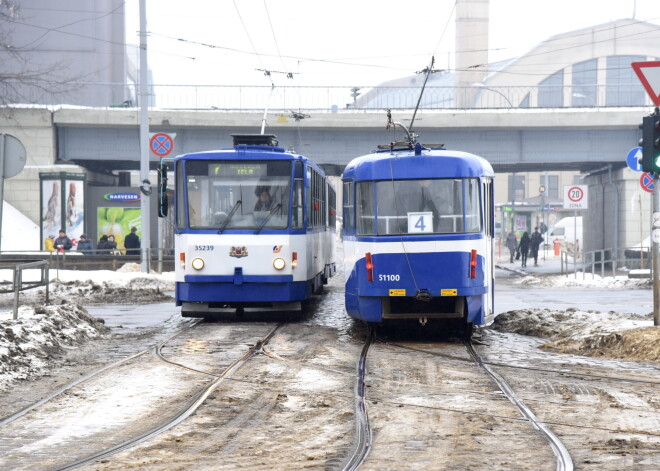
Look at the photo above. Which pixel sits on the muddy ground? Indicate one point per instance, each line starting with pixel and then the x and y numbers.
pixel 430 407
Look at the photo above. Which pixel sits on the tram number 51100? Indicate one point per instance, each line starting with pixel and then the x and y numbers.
pixel 389 277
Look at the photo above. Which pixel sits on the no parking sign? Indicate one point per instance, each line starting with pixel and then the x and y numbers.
pixel 646 182
pixel 161 144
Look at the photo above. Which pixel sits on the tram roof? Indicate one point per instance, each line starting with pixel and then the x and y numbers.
pixel 431 163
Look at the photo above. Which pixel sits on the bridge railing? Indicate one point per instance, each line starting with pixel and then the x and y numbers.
pixel 285 99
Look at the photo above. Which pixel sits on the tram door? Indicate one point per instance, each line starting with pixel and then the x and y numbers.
pixel 489 227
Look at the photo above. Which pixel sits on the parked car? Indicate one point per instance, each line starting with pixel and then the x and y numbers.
pixel 639 250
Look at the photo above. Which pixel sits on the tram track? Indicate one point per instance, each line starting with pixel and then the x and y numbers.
pixel 563 460
pixel 363 435
pixel 9 419
pixel 182 415
pixel 190 404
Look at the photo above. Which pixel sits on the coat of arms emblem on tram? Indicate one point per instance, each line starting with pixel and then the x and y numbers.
pixel 238 252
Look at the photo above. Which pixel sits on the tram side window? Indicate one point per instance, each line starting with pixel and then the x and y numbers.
pixel 180 204
pixel 297 209
pixel 332 207
pixel 365 208
pixel 347 208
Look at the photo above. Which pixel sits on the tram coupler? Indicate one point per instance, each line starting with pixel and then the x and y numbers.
pixel 422 321
pixel 423 295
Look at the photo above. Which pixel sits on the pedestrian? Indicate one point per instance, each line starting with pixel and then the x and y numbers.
pixel 523 246
pixel 102 245
pixel 85 245
pixel 535 242
pixel 132 242
pixel 112 245
pixel 511 244
pixel 63 243
pixel 49 243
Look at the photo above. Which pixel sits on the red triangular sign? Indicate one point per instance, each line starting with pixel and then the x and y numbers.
pixel 649 75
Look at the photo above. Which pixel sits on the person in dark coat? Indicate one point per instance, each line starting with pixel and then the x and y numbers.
pixel 535 242
pixel 132 243
pixel 62 243
pixel 511 244
pixel 112 245
pixel 523 246
pixel 264 202
pixel 85 245
pixel 103 246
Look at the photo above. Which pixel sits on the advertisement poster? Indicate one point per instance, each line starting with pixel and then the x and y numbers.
pixel 75 204
pixel 118 222
pixel 521 223
pixel 51 208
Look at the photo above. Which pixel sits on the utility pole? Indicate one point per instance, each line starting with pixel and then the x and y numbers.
pixel 145 185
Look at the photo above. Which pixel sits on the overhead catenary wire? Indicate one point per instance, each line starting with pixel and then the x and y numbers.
pixel 256 53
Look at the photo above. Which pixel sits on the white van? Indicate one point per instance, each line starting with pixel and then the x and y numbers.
pixel 567 231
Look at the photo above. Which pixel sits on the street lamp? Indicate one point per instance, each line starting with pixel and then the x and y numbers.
pixel 482 85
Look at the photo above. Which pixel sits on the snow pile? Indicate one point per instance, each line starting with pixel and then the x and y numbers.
pixel 18 231
pixel 30 343
pixel 591 333
pixel 124 286
pixel 43 333
pixel 586 280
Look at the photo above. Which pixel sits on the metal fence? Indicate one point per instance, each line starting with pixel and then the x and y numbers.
pixel 605 262
pixel 335 99
pixel 160 260
pixel 18 284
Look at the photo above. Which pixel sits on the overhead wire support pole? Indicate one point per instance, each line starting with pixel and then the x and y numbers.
pixel 655 236
pixel 145 185
pixel 263 120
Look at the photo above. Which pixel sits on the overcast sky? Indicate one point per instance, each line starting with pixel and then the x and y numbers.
pixel 342 42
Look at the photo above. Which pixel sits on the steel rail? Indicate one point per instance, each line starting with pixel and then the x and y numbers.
pixel 564 460
pixel 197 401
pixel 362 428
pixel 86 377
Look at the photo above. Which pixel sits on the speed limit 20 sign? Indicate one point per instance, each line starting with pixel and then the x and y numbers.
pixel 575 197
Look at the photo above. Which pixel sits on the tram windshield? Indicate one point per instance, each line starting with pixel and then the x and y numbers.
pixel 215 187
pixel 444 206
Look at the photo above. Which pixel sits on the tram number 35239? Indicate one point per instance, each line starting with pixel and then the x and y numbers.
pixel 204 248
pixel 389 277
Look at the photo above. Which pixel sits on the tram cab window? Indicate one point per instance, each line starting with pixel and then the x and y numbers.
pixel 444 206
pixel 248 193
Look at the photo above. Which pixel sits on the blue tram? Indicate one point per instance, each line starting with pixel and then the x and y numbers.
pixel 418 235
pixel 254 228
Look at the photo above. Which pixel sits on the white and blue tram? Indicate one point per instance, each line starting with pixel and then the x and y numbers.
pixel 254 228
pixel 418 235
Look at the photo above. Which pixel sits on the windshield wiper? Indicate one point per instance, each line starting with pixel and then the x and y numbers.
pixel 229 216
pixel 270 213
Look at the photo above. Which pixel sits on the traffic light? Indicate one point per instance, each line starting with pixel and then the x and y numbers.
pixel 650 143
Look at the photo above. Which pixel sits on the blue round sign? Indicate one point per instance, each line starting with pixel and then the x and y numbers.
pixel 634 159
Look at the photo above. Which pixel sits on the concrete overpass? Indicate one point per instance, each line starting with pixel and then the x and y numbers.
pixel 518 140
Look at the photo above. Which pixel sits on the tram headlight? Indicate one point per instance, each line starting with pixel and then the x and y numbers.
pixel 197 263
pixel 279 263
